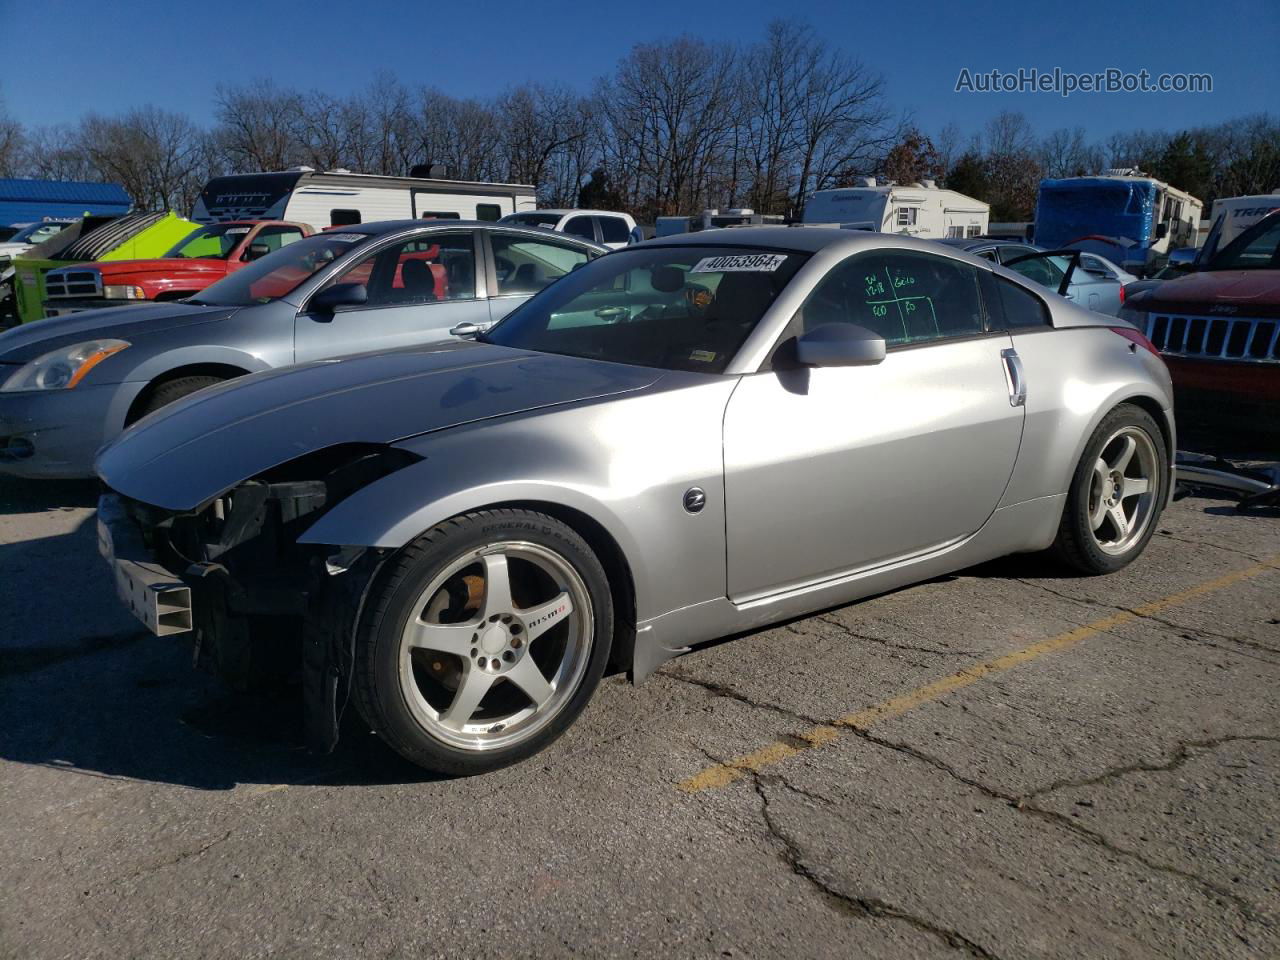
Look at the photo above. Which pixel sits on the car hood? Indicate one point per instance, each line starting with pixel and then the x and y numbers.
pixel 187 454
pixel 1254 293
pixel 28 341
pixel 119 270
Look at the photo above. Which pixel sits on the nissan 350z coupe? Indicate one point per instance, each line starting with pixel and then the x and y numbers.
pixel 688 438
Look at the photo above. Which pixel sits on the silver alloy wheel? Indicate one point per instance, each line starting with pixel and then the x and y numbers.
pixel 1122 490
pixel 510 663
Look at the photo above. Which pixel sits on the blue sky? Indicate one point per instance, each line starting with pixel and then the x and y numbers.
pixel 61 58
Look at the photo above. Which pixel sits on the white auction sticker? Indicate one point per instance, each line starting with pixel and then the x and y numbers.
pixel 346 237
pixel 741 263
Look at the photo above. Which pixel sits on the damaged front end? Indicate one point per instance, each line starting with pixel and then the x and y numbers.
pixel 260 606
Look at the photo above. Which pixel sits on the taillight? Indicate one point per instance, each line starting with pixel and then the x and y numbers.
pixel 1137 336
pixel 1122 294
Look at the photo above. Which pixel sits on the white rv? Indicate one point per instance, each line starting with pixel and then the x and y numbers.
pixel 1231 216
pixel 340 197
pixel 919 210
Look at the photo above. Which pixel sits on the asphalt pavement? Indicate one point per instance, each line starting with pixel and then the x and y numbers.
pixel 1002 763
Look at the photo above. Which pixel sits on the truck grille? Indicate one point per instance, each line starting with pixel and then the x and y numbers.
pixel 73 282
pixel 1228 338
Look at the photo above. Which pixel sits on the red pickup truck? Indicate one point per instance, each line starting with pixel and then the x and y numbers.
pixel 1219 331
pixel 205 256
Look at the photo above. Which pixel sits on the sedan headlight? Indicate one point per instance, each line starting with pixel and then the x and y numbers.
pixel 63 368
pixel 114 291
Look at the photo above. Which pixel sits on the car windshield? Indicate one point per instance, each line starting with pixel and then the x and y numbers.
pixel 214 242
pixel 1258 248
pixel 279 274
pixel 677 308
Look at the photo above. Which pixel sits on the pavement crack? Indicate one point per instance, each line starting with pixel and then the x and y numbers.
pixel 893 645
pixel 1163 621
pixel 1022 805
pixel 1183 752
pixel 1215 546
pixel 729 693
pixel 848 904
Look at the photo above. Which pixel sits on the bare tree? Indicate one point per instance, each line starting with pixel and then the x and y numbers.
pixel 259 125
pixel 12 144
pixel 537 122
pixel 157 156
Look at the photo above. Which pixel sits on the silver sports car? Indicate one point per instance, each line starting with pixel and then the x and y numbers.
pixel 682 440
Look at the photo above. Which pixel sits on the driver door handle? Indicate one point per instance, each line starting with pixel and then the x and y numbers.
pixel 1014 377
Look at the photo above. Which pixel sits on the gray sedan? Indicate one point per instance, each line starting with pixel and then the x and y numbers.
pixel 686 439
pixel 69 384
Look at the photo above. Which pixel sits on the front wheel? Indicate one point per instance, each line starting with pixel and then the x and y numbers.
pixel 484 641
pixel 1117 493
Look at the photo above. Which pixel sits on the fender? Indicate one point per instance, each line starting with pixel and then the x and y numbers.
pixel 159 364
pixel 613 462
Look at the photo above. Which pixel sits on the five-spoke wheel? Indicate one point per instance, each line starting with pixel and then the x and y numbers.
pixel 490 634
pixel 1117 493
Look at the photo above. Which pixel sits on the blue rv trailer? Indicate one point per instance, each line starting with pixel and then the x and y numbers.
pixel 1128 218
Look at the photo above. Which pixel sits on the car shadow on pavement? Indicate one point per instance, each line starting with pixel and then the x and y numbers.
pixel 133 707
pixel 82 688
pixel 34 496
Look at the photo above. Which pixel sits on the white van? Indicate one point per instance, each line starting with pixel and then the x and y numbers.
pixel 339 198
pixel 919 210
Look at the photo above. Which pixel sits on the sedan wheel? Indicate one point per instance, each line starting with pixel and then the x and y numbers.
pixel 1117 493
pixel 488 637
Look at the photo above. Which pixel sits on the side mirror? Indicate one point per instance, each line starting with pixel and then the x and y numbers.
pixel 1183 258
pixel 256 251
pixel 840 345
pixel 339 295
pixel 1162 231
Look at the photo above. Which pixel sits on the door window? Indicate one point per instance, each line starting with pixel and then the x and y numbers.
pixel 525 266
pixel 613 230
pixel 425 269
pixel 581 227
pixel 905 297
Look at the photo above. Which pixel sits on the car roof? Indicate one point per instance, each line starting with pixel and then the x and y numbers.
pixel 805 239
pixel 565 211
pixel 382 227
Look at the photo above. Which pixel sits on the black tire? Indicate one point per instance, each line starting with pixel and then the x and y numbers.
pixel 172 390
pixel 379 696
pixel 1075 545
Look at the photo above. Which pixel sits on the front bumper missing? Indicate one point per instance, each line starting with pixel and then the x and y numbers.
pixel 154 595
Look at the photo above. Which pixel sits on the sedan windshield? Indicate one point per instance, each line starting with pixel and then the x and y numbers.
pixel 279 274
pixel 214 242
pixel 677 308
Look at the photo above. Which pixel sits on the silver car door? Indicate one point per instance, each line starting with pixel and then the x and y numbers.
pixel 831 470
pixel 521 265
pixel 418 289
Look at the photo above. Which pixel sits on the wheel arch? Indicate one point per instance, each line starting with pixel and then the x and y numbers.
pixel 616 567
pixel 223 371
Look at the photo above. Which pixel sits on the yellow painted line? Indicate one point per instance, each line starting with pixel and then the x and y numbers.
pixel 723 774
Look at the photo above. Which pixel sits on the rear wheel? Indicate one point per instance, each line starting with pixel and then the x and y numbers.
pixel 172 390
pixel 484 641
pixel 1117 494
